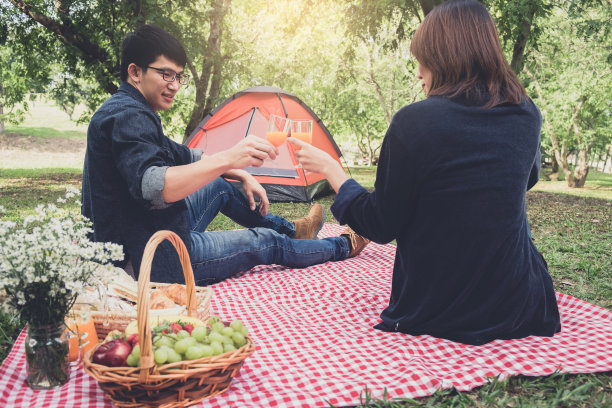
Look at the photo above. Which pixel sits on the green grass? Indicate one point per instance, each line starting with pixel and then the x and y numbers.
pixel 572 232
pixel 45 132
pixel 56 122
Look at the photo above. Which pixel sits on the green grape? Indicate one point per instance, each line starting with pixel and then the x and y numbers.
pixel 156 338
pixel 136 350
pixel 161 356
pixel 182 334
pixel 164 341
pixel 199 333
pixel 207 351
pixel 213 319
pixel 194 352
pixel 215 336
pixel 173 356
pixel 132 360
pixel 239 339
pixel 244 331
pixel 227 340
pixel 228 347
pixel 218 326
pixel 181 346
pixel 166 347
pixel 227 331
pixel 217 348
pixel 190 341
pixel 237 325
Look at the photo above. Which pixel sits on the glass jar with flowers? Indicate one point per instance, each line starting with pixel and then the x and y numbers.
pixel 45 262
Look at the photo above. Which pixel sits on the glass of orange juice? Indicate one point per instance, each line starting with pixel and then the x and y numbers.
pixel 81 332
pixel 278 129
pixel 301 129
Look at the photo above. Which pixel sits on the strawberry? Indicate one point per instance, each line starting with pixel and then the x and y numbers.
pixel 188 327
pixel 175 327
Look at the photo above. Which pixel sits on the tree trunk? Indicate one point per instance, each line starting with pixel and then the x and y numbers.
pixel 520 43
pixel 582 168
pixel 1 120
pixel 211 69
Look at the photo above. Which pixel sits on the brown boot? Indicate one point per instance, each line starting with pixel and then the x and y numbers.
pixel 308 227
pixel 358 243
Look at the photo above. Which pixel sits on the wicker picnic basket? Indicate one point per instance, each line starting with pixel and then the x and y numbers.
pixel 172 385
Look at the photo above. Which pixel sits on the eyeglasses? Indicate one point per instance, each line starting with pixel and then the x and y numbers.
pixel 170 76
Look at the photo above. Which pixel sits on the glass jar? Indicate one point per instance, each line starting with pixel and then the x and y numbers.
pixel 47 359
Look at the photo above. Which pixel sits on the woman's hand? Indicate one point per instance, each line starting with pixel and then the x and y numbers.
pixel 317 161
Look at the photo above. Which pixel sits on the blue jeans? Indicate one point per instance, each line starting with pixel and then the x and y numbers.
pixel 217 255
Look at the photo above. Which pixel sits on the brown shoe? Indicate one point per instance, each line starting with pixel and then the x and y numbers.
pixel 308 227
pixel 358 243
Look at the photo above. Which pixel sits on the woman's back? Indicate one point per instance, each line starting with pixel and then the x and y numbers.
pixel 454 177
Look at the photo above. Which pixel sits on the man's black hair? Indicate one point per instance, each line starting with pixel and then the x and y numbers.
pixel 146 44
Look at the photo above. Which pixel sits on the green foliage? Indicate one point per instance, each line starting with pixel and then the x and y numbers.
pixel 13 89
pixel 569 78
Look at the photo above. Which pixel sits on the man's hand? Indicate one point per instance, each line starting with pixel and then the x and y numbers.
pixel 251 151
pixel 252 188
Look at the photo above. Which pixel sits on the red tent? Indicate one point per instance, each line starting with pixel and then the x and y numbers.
pixel 247 112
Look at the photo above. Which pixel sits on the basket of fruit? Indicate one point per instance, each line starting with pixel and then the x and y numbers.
pixel 169 361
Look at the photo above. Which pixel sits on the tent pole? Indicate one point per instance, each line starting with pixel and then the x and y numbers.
pixel 250 121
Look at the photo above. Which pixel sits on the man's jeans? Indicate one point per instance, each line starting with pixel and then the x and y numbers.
pixel 217 255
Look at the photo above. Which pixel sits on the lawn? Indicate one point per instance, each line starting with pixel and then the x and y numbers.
pixel 570 227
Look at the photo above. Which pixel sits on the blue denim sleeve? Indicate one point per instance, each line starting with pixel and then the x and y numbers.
pixel 138 143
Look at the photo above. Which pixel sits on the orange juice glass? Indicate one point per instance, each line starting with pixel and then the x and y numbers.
pixel 82 333
pixel 278 129
pixel 276 138
pixel 301 129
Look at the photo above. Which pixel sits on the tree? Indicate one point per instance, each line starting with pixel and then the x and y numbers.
pixel 379 78
pixel 13 89
pixel 19 77
pixel 86 36
pixel 569 76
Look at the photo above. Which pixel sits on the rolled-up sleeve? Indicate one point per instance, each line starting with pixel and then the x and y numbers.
pixel 153 186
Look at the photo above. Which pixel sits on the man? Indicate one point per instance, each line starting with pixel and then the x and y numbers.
pixel 137 181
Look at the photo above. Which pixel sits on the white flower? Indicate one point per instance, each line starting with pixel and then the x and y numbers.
pixel 48 259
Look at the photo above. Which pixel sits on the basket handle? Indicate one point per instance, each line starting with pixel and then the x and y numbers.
pixel 144 327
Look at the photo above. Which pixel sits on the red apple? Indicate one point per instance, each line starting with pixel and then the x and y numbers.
pixel 113 353
pixel 132 339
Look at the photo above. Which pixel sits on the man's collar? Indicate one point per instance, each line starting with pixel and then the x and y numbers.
pixel 134 93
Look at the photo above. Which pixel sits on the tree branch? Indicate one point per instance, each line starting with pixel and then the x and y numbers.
pixel 66 32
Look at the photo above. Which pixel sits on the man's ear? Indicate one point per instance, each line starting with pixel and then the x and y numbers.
pixel 134 73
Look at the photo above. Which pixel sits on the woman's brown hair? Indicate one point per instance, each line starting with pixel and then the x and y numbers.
pixel 458 42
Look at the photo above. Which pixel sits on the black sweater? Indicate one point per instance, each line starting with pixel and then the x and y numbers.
pixel 450 188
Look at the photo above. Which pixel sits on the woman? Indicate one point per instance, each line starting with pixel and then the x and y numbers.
pixel 450 188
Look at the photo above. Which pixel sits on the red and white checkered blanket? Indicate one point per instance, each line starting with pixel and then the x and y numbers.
pixel 316 345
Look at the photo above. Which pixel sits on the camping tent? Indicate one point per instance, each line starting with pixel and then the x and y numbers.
pixel 247 112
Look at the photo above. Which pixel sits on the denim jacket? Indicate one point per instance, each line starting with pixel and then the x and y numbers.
pixel 126 145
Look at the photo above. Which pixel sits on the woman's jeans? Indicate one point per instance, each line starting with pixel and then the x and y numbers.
pixel 217 255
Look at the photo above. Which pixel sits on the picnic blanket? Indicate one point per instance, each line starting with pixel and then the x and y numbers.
pixel 316 345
